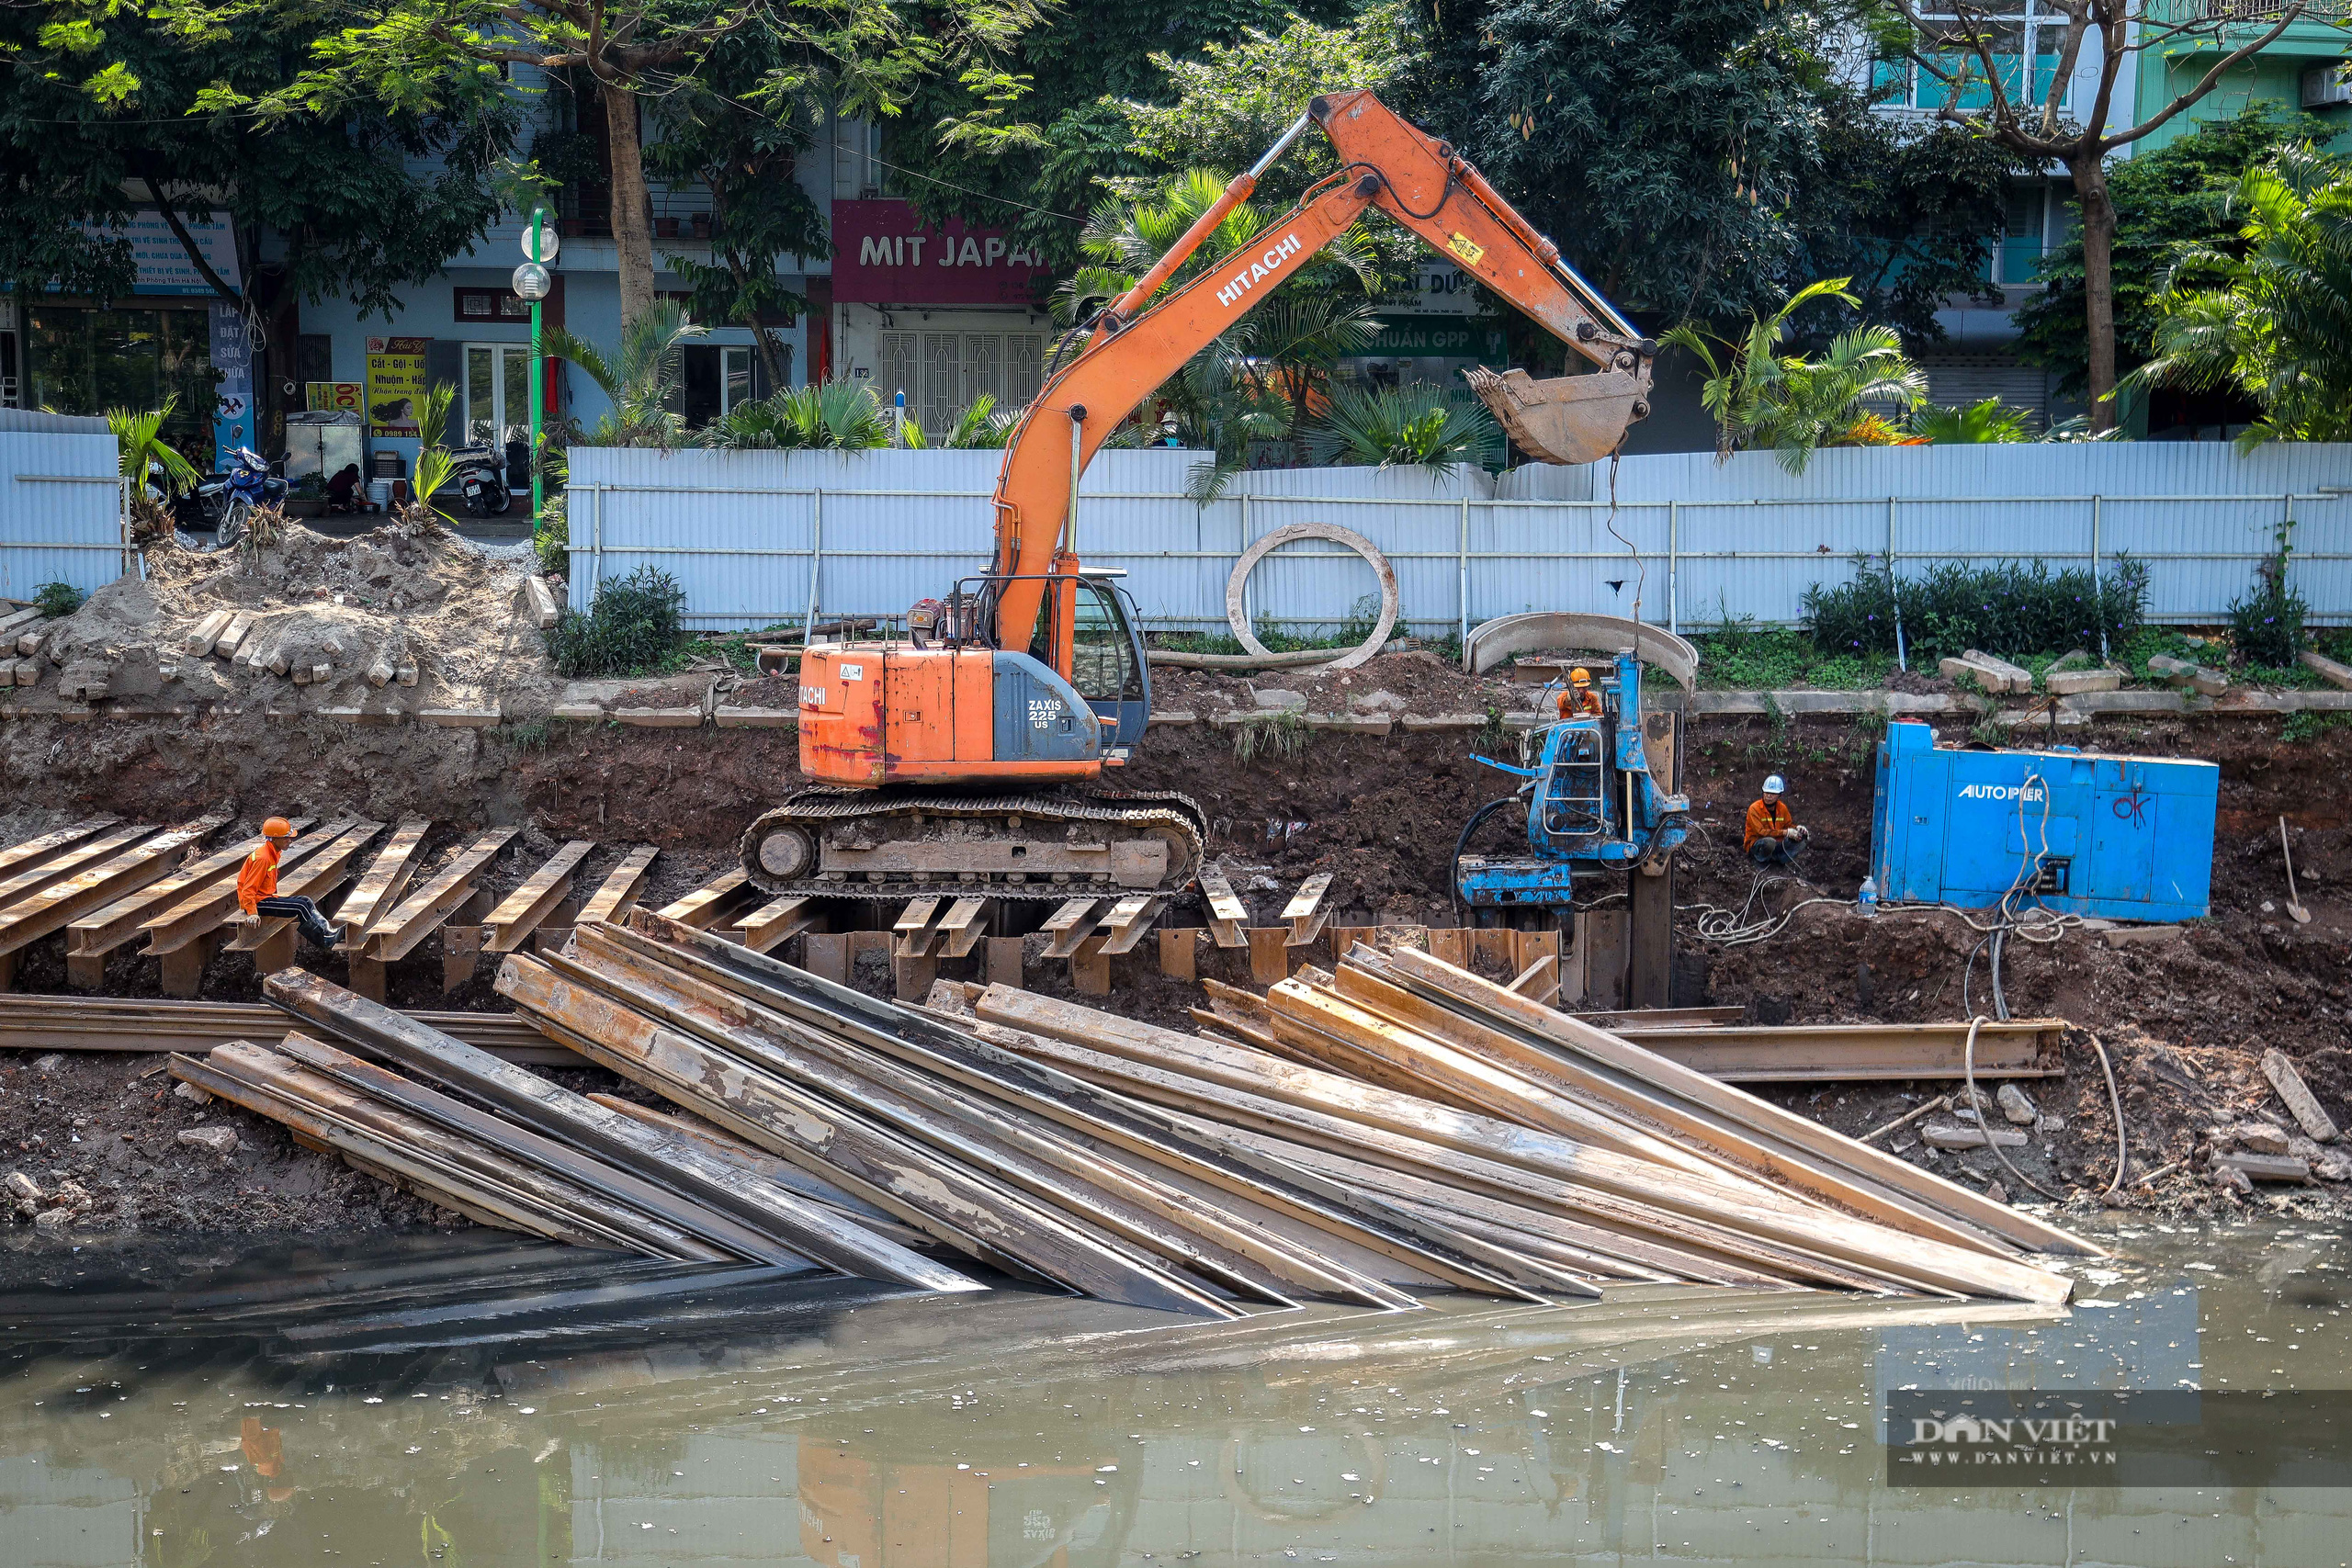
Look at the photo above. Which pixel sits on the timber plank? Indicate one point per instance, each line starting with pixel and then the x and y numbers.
pixel 620 885
pixel 521 912
pixel 558 1112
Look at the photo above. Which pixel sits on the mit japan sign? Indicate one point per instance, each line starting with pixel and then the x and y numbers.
pixel 884 254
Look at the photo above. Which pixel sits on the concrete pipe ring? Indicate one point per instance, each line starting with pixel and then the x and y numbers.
pixel 1330 533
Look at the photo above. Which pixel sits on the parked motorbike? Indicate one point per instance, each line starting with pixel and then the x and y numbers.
pixel 224 499
pixel 480 473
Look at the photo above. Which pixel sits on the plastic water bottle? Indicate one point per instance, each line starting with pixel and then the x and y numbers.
pixel 1867 898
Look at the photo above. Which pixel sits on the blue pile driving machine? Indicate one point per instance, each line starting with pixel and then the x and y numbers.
pixel 2114 838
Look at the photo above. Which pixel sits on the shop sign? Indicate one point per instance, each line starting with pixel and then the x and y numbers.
pixel 884 254
pixel 1426 337
pixel 233 361
pixel 163 262
pixel 396 384
pixel 1439 288
pixel 332 397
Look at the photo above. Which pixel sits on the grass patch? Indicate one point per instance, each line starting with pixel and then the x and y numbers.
pixel 1282 735
pixel 1739 655
pixel 54 599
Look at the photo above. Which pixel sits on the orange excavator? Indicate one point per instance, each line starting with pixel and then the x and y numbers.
pixel 944 764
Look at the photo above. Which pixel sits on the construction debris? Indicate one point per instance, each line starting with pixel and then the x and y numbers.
pixel 2301 1102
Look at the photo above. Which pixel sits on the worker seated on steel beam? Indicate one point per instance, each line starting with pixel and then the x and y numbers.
pixel 1578 699
pixel 1772 837
pixel 258 887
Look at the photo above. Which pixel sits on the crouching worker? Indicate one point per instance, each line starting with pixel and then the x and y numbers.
pixel 257 886
pixel 1578 699
pixel 1773 836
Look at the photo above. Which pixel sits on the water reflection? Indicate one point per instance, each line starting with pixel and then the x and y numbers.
pixel 630 1414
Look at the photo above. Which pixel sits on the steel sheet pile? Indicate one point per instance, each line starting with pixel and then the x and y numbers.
pixel 1398 1127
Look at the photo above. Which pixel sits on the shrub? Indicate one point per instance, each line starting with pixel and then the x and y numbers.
pixel 634 622
pixel 2267 626
pixel 57 598
pixel 2010 607
pixel 551 540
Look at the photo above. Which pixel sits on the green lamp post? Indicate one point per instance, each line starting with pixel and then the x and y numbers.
pixel 532 283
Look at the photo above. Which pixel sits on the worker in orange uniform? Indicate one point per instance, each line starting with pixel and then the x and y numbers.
pixel 1578 700
pixel 257 886
pixel 1773 834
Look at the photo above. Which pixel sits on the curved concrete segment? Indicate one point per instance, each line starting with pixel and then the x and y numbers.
pixel 1331 532
pixel 1493 642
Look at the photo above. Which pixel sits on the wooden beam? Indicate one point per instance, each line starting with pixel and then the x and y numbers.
pixel 1306 912
pixel 396 934
pixel 1226 915
pixel 386 879
pixel 521 912
pixel 619 888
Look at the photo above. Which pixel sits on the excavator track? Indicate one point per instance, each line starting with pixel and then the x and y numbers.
pixel 834 826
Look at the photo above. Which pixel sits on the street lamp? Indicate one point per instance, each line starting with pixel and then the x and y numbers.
pixel 532 283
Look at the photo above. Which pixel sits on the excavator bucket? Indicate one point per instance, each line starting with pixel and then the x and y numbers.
pixel 1573 419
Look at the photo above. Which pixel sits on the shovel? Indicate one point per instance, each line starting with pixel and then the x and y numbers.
pixel 2294 905
pixel 1572 419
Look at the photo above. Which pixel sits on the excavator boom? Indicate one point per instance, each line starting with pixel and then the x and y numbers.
pixel 1138 345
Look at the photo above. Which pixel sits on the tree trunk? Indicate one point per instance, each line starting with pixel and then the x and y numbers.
pixel 2098 288
pixel 632 226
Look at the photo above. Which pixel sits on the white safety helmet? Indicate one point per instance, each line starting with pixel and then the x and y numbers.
pixel 1773 784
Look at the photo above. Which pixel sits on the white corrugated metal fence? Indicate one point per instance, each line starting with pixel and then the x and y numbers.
pixel 61 503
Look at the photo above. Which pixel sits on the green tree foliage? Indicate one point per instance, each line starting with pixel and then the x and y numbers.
pixel 642 381
pixel 759 213
pixel 110 109
pixel 852 57
pixel 1989 422
pixel 1059 132
pixel 1796 404
pixel 834 416
pixel 2271 316
pixel 1661 142
pixel 2168 199
pixel 146 457
pixel 630 629
pixel 1426 427
pixel 1951 606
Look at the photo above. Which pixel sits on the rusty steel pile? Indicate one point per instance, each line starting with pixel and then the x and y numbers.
pixel 1398 1127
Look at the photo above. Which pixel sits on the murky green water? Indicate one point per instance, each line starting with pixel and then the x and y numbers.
pixel 287 1407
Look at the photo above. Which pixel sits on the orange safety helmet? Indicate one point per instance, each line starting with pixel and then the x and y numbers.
pixel 278 827
pixel 1577 677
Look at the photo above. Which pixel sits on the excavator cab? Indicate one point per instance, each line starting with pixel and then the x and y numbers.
pixel 1106 657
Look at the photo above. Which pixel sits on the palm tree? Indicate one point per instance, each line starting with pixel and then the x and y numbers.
pixel 642 381
pixel 842 416
pixel 1762 396
pixel 2278 325
pixel 1425 427
pixel 140 437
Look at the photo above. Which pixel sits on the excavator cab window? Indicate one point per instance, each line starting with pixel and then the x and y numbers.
pixel 1101 656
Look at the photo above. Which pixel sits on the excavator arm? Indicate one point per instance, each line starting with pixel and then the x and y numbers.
pixel 1137 345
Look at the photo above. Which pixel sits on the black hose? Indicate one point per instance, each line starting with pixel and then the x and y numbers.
pixel 1454 878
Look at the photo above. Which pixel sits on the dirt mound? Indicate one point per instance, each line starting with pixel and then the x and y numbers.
pixel 387 598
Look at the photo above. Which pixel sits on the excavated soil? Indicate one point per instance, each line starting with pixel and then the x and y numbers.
pixel 2184 1021
pixel 396 593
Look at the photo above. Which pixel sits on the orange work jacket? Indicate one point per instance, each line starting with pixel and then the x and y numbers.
pixel 258 880
pixel 1767 818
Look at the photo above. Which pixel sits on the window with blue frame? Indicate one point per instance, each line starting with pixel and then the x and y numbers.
pixel 2024 36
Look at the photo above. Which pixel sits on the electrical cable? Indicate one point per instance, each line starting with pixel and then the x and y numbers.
pixel 1968 1071
pixel 1454 878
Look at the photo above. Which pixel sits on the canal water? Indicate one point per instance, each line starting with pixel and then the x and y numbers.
pixel 448 1401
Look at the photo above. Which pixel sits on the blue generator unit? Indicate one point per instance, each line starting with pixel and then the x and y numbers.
pixel 2114 838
